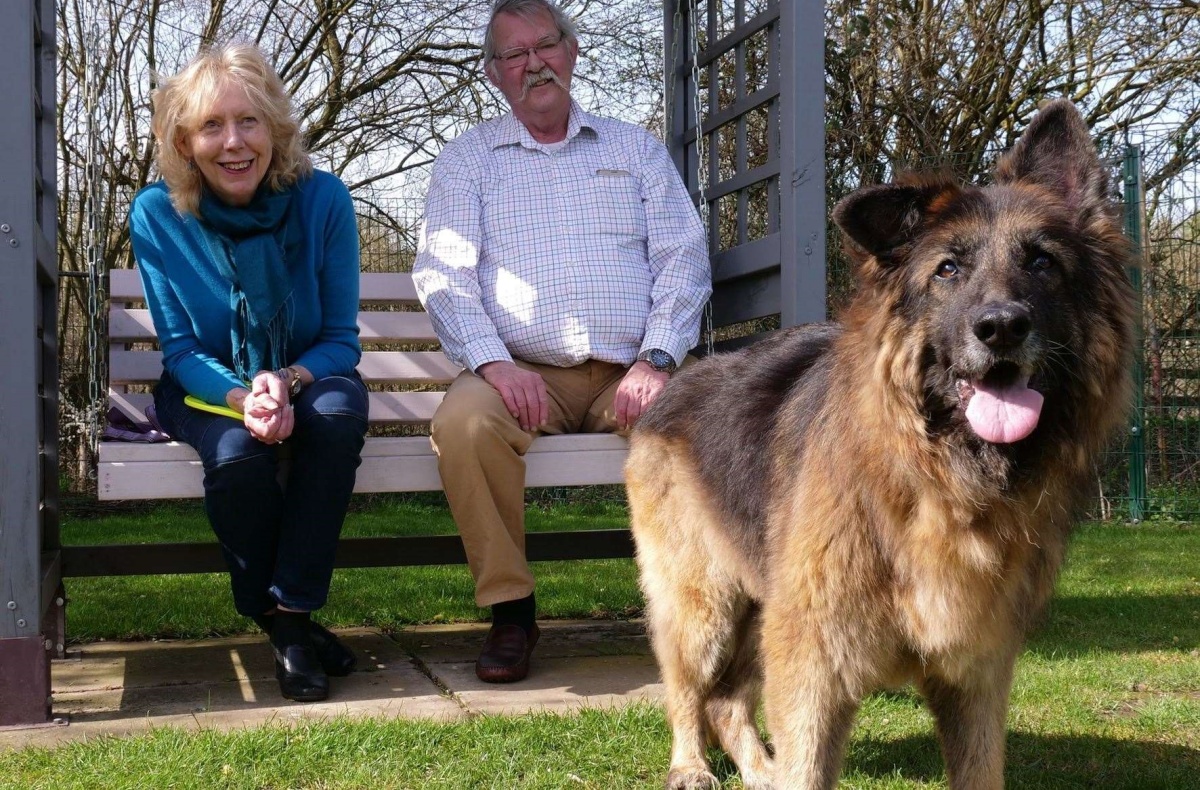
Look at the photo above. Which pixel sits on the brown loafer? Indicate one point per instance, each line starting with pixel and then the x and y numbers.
pixel 505 655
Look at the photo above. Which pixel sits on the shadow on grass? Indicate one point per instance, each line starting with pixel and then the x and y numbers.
pixel 1033 761
pixel 1076 626
pixel 1038 761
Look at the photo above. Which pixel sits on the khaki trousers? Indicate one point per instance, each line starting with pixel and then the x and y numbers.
pixel 481 448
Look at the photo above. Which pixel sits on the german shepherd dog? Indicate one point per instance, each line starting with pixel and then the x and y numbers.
pixel 855 505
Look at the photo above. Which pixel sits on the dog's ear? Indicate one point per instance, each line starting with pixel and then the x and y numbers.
pixel 1056 152
pixel 882 220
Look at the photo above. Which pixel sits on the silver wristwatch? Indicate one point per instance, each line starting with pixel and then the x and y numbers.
pixel 658 359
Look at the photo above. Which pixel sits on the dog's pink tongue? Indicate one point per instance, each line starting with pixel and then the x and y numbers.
pixel 1004 414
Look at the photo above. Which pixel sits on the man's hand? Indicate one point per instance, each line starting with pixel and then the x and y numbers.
pixel 267 414
pixel 523 391
pixel 641 385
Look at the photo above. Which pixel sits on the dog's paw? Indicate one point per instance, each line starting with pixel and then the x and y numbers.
pixel 680 779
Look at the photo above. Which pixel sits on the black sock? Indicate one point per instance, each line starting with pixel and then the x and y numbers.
pixel 520 612
pixel 290 628
pixel 264 621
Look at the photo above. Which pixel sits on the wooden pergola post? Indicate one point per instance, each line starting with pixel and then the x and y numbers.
pixel 31 602
pixel 779 267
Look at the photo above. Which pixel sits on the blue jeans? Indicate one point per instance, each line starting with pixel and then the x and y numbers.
pixel 278 542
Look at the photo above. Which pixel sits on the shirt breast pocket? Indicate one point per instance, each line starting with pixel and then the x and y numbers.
pixel 619 211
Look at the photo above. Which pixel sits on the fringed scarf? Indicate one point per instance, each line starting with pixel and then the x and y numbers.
pixel 260 294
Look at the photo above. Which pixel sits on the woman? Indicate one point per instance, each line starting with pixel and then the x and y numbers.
pixel 249 259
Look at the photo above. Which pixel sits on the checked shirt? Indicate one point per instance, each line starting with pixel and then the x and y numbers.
pixel 560 254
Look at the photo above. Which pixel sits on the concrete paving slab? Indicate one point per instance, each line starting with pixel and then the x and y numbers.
pixel 119 688
pixel 460 642
pixel 170 662
pixel 584 663
pixel 561 684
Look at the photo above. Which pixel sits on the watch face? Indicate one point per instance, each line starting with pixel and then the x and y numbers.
pixel 660 360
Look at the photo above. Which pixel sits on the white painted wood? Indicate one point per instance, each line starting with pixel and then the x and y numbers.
pixel 172 470
pixel 407 367
pixel 386 408
pixel 376 367
pixel 391 327
pixel 125 285
pixel 134 325
pixel 387 287
pixel 130 325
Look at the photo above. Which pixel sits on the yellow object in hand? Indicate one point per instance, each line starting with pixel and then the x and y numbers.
pixel 225 411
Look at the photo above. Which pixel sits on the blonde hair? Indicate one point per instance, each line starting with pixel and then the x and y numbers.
pixel 181 102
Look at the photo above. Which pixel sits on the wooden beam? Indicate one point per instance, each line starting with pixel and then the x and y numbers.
pixel 154 558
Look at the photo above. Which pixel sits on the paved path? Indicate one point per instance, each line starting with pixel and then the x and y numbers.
pixel 424 672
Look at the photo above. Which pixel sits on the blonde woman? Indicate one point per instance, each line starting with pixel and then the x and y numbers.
pixel 249 258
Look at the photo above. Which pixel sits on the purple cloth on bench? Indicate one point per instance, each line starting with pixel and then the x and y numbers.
pixel 121 428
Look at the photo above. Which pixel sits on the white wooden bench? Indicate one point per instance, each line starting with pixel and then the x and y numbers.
pixel 399 381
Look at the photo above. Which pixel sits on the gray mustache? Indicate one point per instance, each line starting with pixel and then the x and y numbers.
pixel 538 76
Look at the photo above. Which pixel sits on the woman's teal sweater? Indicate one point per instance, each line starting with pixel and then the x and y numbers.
pixel 189 299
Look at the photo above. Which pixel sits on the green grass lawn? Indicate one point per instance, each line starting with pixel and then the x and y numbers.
pixel 197 605
pixel 1107 695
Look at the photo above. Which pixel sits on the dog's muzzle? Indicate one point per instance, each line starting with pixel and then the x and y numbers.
pixel 996 398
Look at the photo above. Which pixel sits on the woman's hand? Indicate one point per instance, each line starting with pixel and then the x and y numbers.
pixel 266 411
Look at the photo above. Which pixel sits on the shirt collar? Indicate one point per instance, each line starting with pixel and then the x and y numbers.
pixel 513 132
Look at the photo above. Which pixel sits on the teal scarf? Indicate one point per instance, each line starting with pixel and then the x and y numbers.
pixel 260 294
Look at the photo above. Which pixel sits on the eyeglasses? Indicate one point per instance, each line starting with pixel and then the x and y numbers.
pixel 517 57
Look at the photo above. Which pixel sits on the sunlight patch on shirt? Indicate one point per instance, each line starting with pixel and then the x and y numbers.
pixel 515 295
pixel 449 248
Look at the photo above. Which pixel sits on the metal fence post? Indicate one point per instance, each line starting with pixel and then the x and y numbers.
pixel 1134 214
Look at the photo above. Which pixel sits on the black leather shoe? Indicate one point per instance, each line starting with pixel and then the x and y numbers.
pixel 337 659
pixel 300 674
pixel 505 656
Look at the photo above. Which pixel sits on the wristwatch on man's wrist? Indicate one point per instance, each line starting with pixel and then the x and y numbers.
pixel 658 359
pixel 291 380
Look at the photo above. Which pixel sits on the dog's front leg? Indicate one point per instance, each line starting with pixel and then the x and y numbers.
pixel 810 709
pixel 970 714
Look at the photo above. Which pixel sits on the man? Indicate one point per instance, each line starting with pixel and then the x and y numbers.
pixel 564 266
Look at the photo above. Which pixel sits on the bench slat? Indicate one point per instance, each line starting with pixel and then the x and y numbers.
pixel 134 325
pixel 567 444
pixel 125 285
pixel 404 463
pixel 387 287
pixel 386 408
pixel 130 325
pixel 376 367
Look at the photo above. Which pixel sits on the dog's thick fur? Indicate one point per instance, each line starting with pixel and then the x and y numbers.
pixel 816 517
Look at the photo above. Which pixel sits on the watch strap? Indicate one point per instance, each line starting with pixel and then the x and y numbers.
pixel 291 379
pixel 660 360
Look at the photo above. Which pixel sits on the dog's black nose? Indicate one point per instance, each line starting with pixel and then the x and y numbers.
pixel 1002 326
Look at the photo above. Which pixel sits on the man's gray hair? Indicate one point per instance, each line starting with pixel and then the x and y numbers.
pixel 525 9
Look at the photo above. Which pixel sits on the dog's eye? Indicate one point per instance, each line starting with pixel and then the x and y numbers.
pixel 946 270
pixel 1040 262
